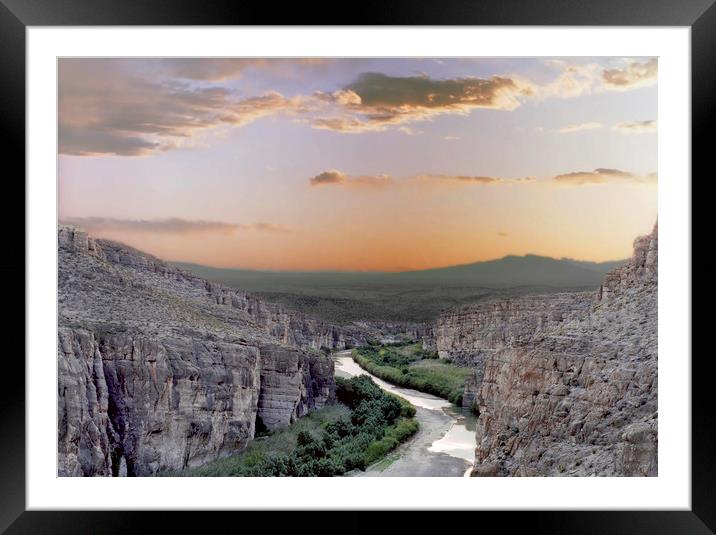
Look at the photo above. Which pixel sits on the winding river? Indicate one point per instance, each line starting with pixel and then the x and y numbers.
pixel 445 443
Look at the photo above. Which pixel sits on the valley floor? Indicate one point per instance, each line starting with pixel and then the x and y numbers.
pixel 444 445
pixel 414 459
pixel 410 366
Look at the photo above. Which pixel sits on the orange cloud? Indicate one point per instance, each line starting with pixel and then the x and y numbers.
pixel 636 127
pixel 334 177
pixel 634 75
pixel 464 178
pixel 338 178
pixel 376 101
pixel 104 110
pixel 269 227
pixel 575 80
pixel 569 129
pixel 173 225
pixel 474 179
pixel 603 176
pixel 124 107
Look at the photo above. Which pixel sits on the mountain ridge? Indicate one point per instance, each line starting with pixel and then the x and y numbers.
pixel 510 270
pixel 565 384
pixel 592 264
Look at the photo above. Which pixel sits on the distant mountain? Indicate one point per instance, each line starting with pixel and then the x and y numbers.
pixel 513 271
pixel 413 296
pixel 601 267
pixel 507 272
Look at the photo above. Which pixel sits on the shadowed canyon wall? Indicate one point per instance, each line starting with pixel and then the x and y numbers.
pixel 565 384
pixel 159 369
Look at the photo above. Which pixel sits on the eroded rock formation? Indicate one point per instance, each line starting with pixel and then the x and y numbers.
pixel 159 369
pixel 578 396
pixel 467 336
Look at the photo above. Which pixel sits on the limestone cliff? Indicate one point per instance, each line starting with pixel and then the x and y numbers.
pixel 288 326
pixel 159 369
pixel 578 396
pixel 392 332
pixel 469 335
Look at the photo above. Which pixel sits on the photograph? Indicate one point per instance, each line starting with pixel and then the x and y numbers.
pixel 357 266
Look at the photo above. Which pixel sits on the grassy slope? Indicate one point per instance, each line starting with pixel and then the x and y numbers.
pixel 410 367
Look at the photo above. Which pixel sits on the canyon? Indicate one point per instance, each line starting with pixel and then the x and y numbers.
pixel 564 384
pixel 160 369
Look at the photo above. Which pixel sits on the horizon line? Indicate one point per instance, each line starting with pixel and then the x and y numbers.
pixel 377 272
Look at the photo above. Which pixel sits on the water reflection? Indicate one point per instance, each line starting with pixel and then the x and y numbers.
pixel 458 441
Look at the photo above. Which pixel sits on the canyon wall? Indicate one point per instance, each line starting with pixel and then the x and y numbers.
pixel 578 396
pixel 160 370
pixel 285 325
pixel 395 332
pixel 467 336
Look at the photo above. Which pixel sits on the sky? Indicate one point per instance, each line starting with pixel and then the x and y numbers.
pixel 359 164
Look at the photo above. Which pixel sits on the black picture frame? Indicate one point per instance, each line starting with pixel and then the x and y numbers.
pixel 17 15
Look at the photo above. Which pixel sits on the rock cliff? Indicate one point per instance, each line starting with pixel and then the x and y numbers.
pixel 469 335
pixel 578 396
pixel 392 332
pixel 289 327
pixel 159 369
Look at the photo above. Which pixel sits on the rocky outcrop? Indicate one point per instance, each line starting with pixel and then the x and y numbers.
pixel 469 335
pixel 472 389
pixel 291 385
pixel 394 332
pixel 160 370
pixel 69 237
pixel 580 396
pixel 288 326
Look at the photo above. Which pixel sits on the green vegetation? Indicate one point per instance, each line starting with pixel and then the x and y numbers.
pixel 361 429
pixel 412 367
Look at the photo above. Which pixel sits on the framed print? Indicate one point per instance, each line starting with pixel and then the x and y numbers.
pixel 426 259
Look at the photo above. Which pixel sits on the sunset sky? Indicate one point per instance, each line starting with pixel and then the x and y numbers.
pixel 360 164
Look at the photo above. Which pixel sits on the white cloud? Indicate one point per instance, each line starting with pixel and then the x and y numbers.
pixel 569 129
pixel 636 127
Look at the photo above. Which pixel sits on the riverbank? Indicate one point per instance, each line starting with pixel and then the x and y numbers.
pixel 410 366
pixel 364 426
pixel 444 445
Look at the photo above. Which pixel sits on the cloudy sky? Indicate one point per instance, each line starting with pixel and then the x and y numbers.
pixel 360 164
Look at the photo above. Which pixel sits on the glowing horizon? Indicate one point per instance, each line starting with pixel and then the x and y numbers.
pixel 360 164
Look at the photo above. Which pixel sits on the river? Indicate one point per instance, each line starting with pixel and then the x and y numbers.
pixel 445 443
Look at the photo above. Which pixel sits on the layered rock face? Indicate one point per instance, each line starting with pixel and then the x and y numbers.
pixel 579 397
pixel 469 335
pixel 289 327
pixel 392 332
pixel 160 370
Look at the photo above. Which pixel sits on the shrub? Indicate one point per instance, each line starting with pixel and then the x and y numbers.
pixel 377 423
pixel 303 438
pixel 433 376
